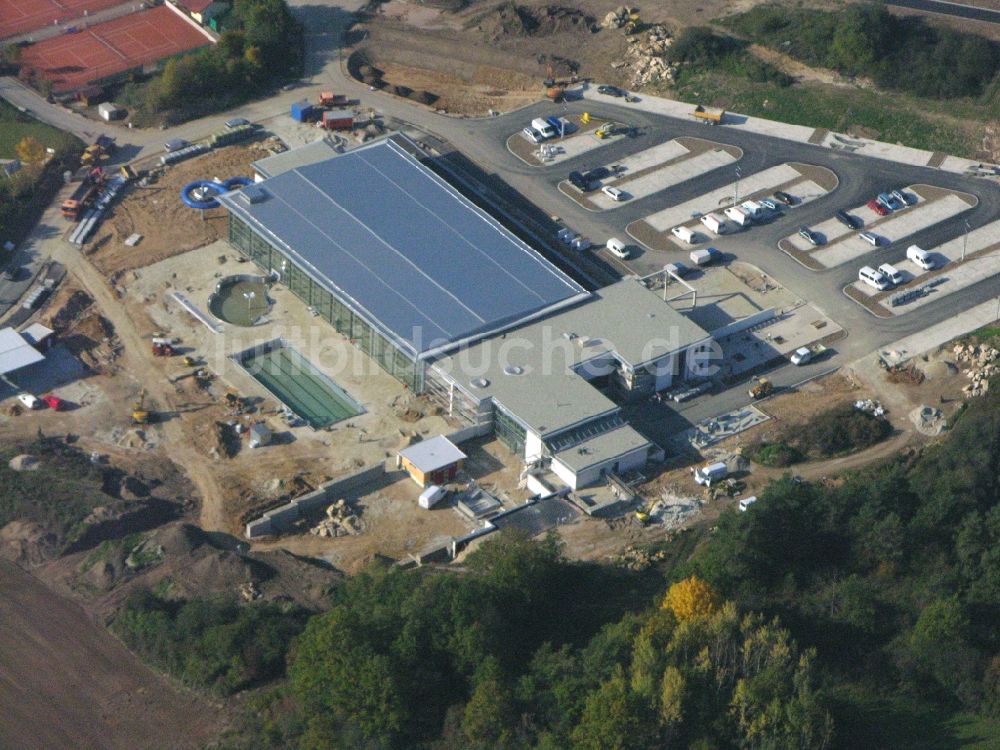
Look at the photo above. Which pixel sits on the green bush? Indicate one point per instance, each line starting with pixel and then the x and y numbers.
pixel 217 645
pixel 898 53
pixel 841 430
pixel 773 454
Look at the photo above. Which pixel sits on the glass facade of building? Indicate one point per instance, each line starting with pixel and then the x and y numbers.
pixel 511 434
pixel 389 357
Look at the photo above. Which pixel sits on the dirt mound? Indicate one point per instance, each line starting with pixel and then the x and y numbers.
pixel 510 20
pixel 28 543
pixel 938 369
pixel 73 309
pixel 24 462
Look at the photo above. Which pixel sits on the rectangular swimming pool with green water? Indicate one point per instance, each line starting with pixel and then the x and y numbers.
pixel 296 382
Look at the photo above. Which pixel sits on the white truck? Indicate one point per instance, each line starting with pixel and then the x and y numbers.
pixel 683 234
pixel 707 475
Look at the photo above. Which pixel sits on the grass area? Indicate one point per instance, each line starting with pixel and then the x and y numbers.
pixel 893 118
pixel 15 125
pixel 867 721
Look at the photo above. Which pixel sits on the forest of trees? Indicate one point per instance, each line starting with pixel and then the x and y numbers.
pixel 264 45
pixel 899 53
pixel 859 613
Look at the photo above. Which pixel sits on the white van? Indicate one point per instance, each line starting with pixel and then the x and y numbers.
pixel 618 248
pixel 683 234
pixel 920 256
pixel 873 278
pixel 544 127
pixel 747 502
pixel 891 273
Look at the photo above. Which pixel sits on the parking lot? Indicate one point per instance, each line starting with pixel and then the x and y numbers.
pixel 927 205
pixel 578 139
pixel 803 182
pixel 654 169
pixel 981 249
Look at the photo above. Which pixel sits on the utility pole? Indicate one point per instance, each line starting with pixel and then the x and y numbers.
pixel 736 191
pixel 965 241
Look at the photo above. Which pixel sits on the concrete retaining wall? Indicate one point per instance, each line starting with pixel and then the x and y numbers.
pixel 470 432
pixel 279 519
pixel 744 323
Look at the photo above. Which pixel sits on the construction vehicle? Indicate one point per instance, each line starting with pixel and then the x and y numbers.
pixel 553 89
pixel 642 516
pixel 140 415
pixel 632 25
pixel 163 347
pixel 761 388
pixel 127 173
pixel 606 130
pixel 329 99
pixel 709 115
pixel 235 403
pixel 83 196
pixel 190 361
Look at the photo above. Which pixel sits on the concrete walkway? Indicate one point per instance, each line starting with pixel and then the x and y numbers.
pixel 803 134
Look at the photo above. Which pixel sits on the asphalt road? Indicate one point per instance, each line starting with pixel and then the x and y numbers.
pixel 950 9
pixel 484 141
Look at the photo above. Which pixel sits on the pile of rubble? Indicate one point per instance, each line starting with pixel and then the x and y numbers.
pixel 644 58
pixel 619 17
pixel 340 521
pixel 872 407
pixel 982 366
pixel 637 558
pixel 672 510
pixel 928 420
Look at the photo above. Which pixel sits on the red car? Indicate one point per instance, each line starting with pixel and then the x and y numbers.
pixel 54 402
pixel 877 207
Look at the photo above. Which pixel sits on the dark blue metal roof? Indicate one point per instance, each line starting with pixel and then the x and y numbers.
pixel 401 245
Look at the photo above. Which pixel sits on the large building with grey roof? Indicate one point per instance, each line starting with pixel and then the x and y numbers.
pixel 450 302
pixel 392 255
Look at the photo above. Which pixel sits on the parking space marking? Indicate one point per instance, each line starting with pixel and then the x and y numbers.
pixel 664 220
pixel 802 180
pixel 563 149
pixel 982 261
pixel 665 177
pixel 901 225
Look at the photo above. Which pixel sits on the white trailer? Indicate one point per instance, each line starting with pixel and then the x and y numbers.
pixel 738 215
pixel 714 223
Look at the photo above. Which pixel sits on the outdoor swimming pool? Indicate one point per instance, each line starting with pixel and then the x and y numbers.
pixel 296 382
pixel 240 300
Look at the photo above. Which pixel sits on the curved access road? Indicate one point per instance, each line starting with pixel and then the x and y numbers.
pixel 945 8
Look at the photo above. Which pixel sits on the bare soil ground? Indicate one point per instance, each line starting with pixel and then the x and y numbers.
pixel 69 684
pixel 491 88
pixel 167 226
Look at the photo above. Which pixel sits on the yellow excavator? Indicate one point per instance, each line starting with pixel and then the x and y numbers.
pixel 140 414
pixel 761 388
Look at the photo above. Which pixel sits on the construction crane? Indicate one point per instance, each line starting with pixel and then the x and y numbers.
pixel 140 415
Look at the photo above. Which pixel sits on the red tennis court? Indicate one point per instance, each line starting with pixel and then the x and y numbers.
pixel 21 16
pixel 72 61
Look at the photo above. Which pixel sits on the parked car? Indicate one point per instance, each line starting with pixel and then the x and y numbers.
pixel 613 193
pixel 236 122
pixel 54 402
pixel 873 278
pixel 610 90
pixel 533 135
pixel 769 204
pixel 618 248
pixel 577 180
pixel 920 257
pixel 901 197
pixel 802 356
pixel 809 236
pixel 886 200
pixel 872 239
pixel 784 197
pixel 877 207
pixel 175 144
pixel 29 401
pixel 851 222
pixel 891 273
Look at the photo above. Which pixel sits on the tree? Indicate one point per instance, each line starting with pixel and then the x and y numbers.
pixel 614 718
pixel 30 151
pixel 690 598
